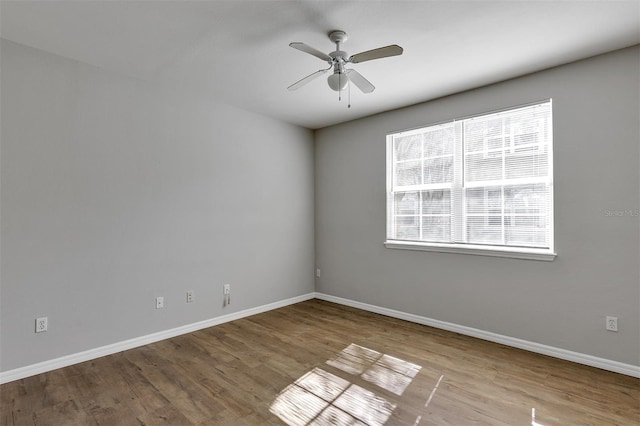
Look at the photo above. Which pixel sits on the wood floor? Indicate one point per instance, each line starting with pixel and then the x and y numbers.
pixel 321 363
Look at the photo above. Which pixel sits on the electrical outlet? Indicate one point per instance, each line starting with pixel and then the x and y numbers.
pixel 42 324
pixel 226 291
pixel 612 323
pixel 159 302
pixel 190 296
pixel 318 273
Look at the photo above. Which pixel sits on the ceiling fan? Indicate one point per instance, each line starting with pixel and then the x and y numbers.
pixel 338 59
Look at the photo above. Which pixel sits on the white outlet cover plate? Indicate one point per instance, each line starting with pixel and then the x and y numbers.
pixel 42 324
pixel 612 323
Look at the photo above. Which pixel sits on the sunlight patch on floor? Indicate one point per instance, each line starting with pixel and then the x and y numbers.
pixel 322 398
pixel 533 418
pixel 433 392
pixel 387 372
pixel 354 359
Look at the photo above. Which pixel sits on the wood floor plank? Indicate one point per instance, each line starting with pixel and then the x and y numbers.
pixel 242 372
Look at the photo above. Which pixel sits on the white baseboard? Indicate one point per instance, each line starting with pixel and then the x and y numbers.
pixel 65 361
pixel 605 364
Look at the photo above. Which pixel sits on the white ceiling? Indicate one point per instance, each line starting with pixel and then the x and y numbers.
pixel 237 51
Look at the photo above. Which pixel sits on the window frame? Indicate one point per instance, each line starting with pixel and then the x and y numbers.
pixel 519 252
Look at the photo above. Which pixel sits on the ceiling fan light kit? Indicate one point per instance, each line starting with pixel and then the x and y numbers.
pixel 337 81
pixel 337 60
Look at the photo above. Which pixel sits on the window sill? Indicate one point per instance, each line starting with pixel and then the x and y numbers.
pixel 511 252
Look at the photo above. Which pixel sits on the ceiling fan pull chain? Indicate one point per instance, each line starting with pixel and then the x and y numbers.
pixel 349 89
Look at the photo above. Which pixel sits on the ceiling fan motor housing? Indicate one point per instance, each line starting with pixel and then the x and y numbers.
pixel 338 80
pixel 339 56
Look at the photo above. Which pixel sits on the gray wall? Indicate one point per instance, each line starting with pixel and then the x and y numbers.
pixel 561 303
pixel 115 192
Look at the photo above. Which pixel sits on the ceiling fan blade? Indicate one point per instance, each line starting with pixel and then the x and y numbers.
pixel 306 80
pixel 381 52
pixel 310 50
pixel 362 83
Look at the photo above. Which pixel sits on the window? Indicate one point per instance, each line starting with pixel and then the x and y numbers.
pixel 481 185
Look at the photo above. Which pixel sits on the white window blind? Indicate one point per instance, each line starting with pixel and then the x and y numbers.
pixel 479 182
